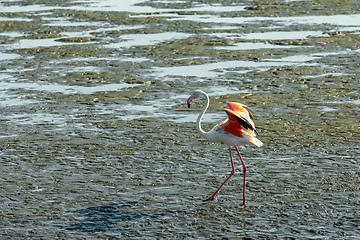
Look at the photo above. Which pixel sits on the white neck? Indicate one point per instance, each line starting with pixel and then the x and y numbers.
pixel 198 121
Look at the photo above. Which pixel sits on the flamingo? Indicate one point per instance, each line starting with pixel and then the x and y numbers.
pixel 238 129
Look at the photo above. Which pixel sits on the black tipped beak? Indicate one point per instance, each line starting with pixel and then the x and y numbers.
pixel 190 99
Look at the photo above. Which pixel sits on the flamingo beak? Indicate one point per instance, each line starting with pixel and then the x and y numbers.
pixel 190 99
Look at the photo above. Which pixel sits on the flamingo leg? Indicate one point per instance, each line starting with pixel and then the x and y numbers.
pixel 244 170
pixel 232 173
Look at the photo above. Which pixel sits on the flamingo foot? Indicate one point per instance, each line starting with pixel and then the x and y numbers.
pixel 209 199
pixel 241 206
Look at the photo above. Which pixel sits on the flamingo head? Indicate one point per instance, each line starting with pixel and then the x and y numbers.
pixel 193 96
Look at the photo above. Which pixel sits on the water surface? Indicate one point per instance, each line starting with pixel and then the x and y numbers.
pixel 97 141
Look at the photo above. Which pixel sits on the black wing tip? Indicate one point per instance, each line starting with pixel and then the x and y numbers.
pixel 243 122
pixel 251 112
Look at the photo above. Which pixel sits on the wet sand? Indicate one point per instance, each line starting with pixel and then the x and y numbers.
pixel 97 141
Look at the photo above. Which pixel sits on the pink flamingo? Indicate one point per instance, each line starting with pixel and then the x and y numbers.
pixel 238 129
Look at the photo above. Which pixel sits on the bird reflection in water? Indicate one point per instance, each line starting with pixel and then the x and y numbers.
pixel 103 218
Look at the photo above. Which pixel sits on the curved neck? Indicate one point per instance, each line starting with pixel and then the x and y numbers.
pixel 198 121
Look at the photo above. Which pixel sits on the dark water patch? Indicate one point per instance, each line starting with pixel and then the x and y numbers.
pixel 102 218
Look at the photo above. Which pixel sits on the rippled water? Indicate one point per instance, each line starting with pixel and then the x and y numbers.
pixel 97 141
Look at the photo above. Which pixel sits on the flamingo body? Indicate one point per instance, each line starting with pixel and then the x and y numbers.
pixel 238 129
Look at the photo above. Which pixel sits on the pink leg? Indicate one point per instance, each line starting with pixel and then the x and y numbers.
pixel 244 170
pixel 232 173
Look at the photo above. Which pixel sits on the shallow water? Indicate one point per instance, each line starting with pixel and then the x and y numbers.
pixel 97 141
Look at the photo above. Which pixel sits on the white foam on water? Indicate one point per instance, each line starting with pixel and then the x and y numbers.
pixel 65 89
pixel 212 70
pixel 338 20
pixel 147 39
pixel 252 45
pixel 281 35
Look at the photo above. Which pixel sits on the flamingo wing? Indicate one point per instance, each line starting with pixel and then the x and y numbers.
pixel 242 110
pixel 235 117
